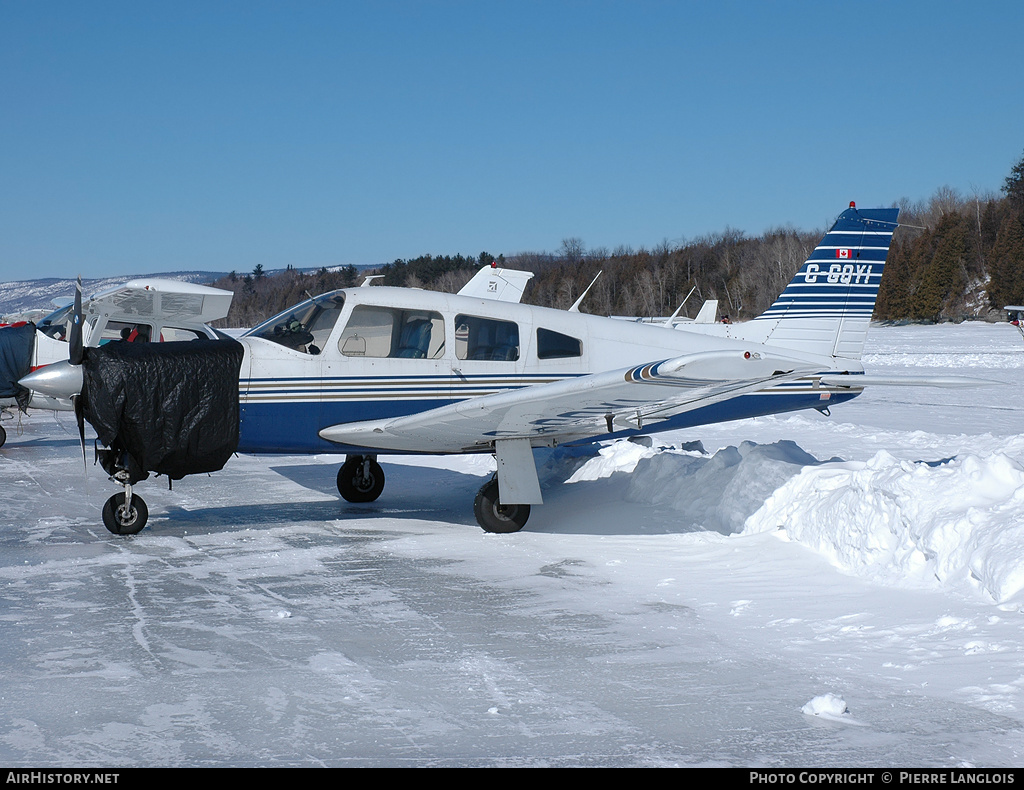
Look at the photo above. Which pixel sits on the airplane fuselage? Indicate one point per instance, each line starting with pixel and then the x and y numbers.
pixel 388 352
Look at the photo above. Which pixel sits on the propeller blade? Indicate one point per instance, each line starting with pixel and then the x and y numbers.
pixel 76 401
pixel 75 348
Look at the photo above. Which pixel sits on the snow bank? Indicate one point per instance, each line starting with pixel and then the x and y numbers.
pixel 982 359
pixel 618 457
pixel 958 521
pixel 715 492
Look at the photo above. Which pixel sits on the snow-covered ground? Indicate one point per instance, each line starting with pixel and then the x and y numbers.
pixel 813 591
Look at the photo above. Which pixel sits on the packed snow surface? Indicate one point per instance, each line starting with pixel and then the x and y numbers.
pixel 793 590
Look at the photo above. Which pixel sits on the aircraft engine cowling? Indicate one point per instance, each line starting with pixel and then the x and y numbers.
pixel 166 408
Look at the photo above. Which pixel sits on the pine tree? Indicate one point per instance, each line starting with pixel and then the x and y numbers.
pixel 945 276
pixel 1007 264
pixel 1013 187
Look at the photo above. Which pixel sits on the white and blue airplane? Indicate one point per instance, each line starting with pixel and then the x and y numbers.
pixel 365 371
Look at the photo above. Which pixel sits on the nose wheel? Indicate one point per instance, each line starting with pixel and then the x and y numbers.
pixel 124 514
pixel 4 415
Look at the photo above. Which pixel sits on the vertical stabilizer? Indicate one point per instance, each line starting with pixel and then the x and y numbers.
pixel 492 282
pixel 827 307
pixel 708 312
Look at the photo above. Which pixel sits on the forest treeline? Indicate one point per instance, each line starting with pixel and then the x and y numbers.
pixel 953 257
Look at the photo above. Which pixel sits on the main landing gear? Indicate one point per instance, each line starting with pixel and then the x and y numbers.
pixel 495 517
pixel 360 478
pixel 3 436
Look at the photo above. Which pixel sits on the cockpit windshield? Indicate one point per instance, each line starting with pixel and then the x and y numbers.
pixel 57 323
pixel 304 327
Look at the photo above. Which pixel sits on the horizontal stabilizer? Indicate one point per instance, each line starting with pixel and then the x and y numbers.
pixel 948 382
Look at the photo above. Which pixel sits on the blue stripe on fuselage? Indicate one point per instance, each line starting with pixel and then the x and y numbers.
pixel 292 428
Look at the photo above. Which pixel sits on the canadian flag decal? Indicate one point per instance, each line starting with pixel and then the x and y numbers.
pixel 841 253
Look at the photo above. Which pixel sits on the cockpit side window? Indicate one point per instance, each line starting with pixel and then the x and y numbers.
pixel 57 324
pixel 129 332
pixel 391 332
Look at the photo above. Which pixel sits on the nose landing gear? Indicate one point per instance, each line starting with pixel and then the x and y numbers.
pixel 124 514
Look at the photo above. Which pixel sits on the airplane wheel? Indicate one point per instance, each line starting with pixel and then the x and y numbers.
pixel 354 486
pixel 125 523
pixel 3 437
pixel 498 518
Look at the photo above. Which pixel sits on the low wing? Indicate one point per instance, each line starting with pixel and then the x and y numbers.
pixel 576 408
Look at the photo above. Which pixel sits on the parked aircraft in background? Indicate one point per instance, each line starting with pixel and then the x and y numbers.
pixel 141 310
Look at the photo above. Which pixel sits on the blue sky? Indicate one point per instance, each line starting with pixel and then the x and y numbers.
pixel 143 136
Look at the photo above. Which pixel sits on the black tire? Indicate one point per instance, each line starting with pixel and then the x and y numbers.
pixel 352 484
pixel 493 517
pixel 3 436
pixel 121 523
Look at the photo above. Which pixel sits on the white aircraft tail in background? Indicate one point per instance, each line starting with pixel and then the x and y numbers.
pixel 493 282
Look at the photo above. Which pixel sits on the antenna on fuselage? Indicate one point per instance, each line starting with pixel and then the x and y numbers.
pixel 674 315
pixel 576 305
pixel 368 279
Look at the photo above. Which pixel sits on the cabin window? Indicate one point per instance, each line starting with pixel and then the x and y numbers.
pixel 555 345
pixel 305 327
pixel 390 332
pixel 143 333
pixel 170 334
pixel 486 338
pixel 121 330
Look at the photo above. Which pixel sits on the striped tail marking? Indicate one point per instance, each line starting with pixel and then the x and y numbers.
pixel 840 278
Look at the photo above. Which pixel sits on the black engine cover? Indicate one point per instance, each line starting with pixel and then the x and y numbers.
pixel 167 408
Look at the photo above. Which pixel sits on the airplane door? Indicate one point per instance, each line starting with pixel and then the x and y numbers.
pixel 387 361
pixel 489 355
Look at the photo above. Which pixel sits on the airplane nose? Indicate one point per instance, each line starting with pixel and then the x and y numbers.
pixel 59 380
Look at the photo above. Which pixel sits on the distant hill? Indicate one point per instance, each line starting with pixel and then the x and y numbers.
pixel 16 297
pixel 32 294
